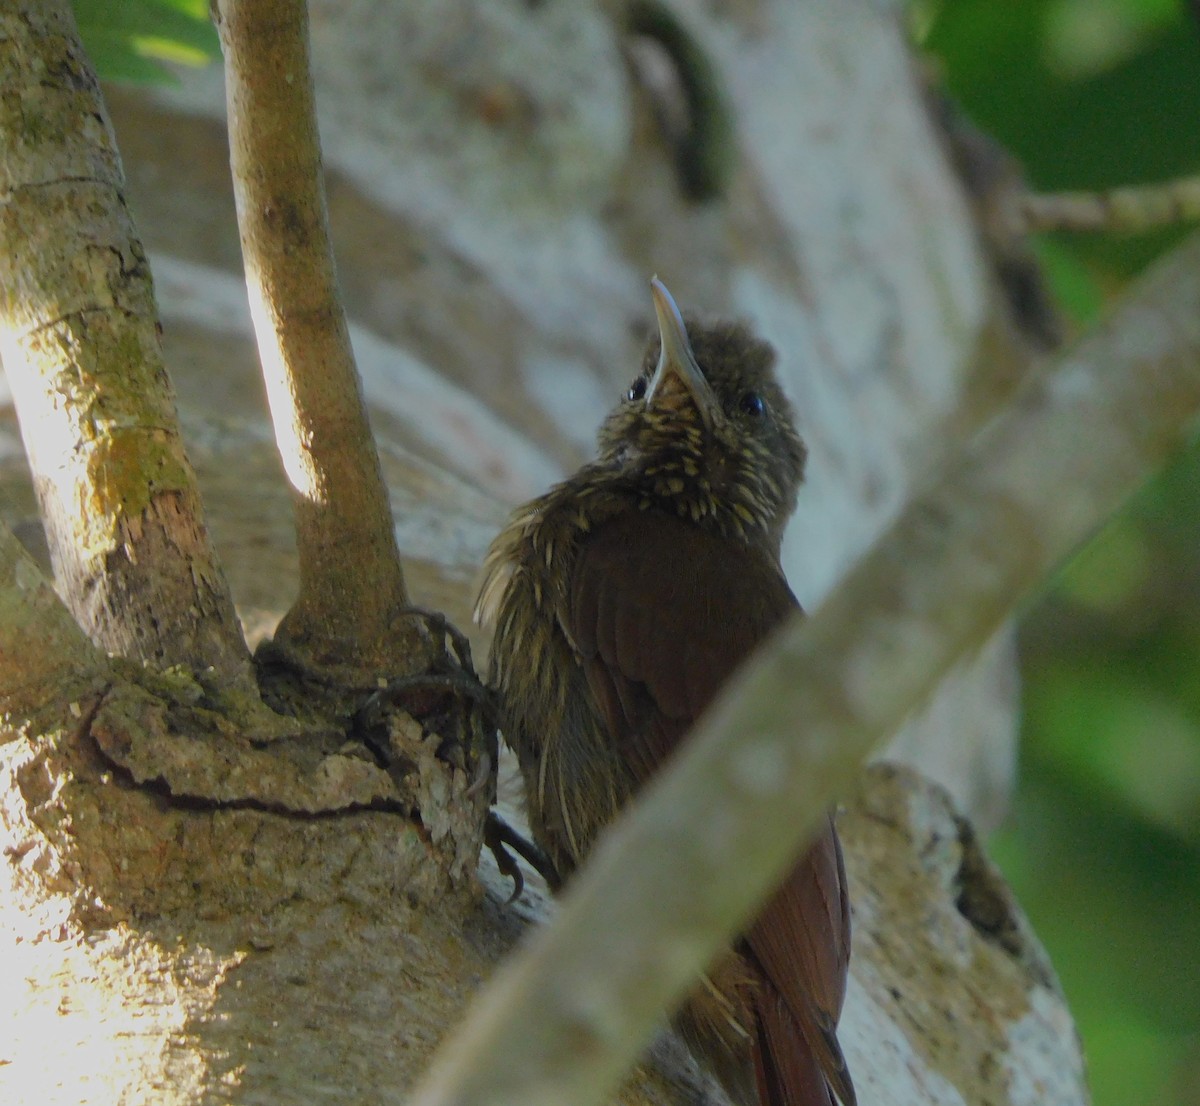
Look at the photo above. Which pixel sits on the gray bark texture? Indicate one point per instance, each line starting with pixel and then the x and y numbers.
pixel 503 178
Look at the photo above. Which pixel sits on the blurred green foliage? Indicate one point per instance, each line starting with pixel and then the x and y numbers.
pixel 128 40
pixel 1103 846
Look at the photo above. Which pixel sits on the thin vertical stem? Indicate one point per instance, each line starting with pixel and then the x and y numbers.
pixel 351 584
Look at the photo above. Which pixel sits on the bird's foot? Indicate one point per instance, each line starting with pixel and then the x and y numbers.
pixel 448 699
pixel 499 836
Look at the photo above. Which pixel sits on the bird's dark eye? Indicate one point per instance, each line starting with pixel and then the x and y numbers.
pixel 751 403
pixel 636 390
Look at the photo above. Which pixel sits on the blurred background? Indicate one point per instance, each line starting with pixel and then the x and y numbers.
pixel 1103 841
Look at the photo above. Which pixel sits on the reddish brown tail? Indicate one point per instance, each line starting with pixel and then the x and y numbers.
pixel 800 947
pixel 785 1067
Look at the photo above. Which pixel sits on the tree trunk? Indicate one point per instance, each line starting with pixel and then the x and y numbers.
pixel 80 339
pixel 504 179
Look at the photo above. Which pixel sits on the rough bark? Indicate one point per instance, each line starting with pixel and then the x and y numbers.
pixel 79 336
pixel 129 793
pixel 44 656
pixel 350 610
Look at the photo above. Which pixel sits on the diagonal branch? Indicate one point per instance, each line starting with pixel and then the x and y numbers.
pixel 563 1021
pixel 352 589
pixel 79 335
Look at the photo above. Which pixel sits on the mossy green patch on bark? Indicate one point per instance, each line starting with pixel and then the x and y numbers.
pixel 127 469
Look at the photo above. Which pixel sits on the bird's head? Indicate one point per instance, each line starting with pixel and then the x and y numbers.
pixel 706 429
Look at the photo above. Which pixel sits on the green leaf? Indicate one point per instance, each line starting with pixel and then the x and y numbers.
pixel 128 40
pixel 1122 738
pixel 1076 285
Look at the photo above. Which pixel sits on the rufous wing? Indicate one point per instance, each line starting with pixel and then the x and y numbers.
pixel 661 613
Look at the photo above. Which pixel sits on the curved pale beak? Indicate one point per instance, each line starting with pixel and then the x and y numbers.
pixel 676 356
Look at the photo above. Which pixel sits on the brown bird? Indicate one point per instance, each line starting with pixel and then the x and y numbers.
pixel 622 600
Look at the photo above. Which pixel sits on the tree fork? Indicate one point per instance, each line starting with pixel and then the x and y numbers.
pixel 80 340
pixel 352 603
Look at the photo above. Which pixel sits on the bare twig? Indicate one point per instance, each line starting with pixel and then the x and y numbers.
pixel 564 1020
pixel 352 590
pixel 79 335
pixel 1121 210
pixel 692 107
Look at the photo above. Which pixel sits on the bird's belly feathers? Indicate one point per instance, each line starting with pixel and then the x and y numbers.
pixel 574 781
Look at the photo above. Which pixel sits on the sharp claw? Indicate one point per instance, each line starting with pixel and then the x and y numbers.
pixel 483 774
pixel 518 882
pixel 437 622
pixel 497 833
